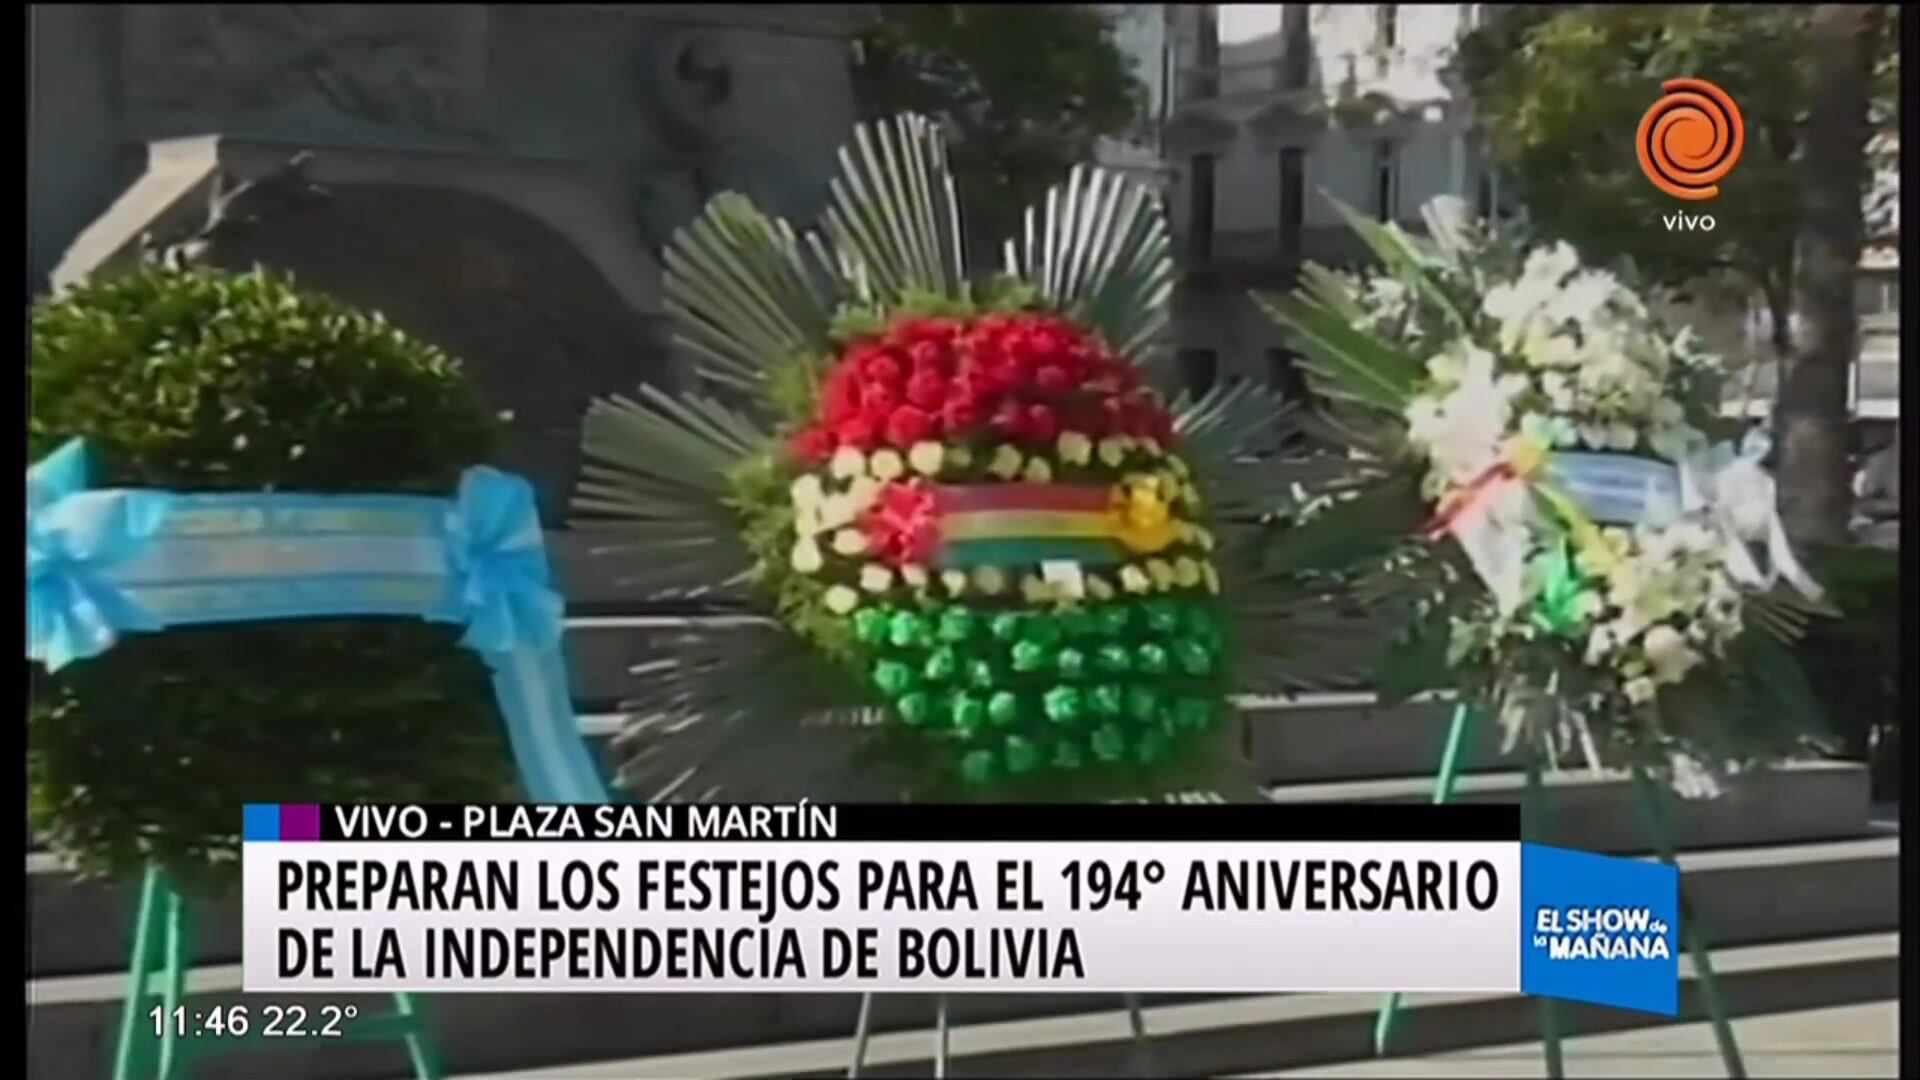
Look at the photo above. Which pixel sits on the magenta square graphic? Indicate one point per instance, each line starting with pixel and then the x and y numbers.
pixel 300 821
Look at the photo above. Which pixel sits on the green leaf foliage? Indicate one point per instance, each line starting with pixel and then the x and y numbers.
pixel 205 381
pixel 1017 123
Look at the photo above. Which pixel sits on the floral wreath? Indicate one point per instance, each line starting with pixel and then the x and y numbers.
pixel 1622 590
pixel 982 535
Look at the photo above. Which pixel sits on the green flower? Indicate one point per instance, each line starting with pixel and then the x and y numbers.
pixel 941 664
pixel 1028 656
pixel 1062 704
pixel 892 677
pixel 1071 663
pixel 870 626
pixel 1152 659
pixel 956 624
pixel 1109 744
pixel 915 709
pixel 1021 754
pixel 1003 708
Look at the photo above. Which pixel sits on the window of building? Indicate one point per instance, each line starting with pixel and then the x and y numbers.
pixel 1285 375
pixel 1198 370
pixel 1293 198
pixel 1296 45
pixel 1387 26
pixel 1200 206
pixel 1386 180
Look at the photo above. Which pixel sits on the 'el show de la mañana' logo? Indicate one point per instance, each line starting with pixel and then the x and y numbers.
pixel 1690 139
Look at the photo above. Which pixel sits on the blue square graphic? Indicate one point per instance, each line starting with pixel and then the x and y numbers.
pixel 1599 929
pixel 262 822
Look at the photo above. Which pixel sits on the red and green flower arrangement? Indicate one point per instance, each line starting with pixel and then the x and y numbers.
pixel 976 524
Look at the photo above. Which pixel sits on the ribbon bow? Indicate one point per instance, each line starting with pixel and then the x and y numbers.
pixel 1736 493
pixel 73 536
pixel 499 566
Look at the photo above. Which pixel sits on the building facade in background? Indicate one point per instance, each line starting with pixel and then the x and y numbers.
pixel 1277 109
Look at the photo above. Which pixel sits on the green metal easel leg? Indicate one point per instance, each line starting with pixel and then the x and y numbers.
pixel 162 953
pixel 1692 933
pixel 1452 758
pixel 1536 827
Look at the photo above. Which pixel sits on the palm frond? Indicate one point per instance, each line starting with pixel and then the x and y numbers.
pixel 655 482
pixel 1219 434
pixel 1097 249
pixel 742 294
pixel 738 712
pixel 1403 258
pixel 1344 362
pixel 894 218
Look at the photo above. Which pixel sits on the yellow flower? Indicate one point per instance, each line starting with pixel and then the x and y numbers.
pixel 1099 588
pixel 1006 463
pixel 1140 515
pixel 848 462
pixel 1210 577
pixel 849 541
pixel 954 580
pixel 926 457
pixel 1036 590
pixel 886 465
pixel 989 580
pixel 1203 538
pixel 914 574
pixel 806 556
pixel 1075 448
pixel 841 599
pixel 876 578
pixel 1133 579
pixel 1038 471
pixel 1186 572
pixel 1161 573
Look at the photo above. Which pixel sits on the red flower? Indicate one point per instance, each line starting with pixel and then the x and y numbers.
pixel 1053 378
pixel 961 413
pixel 857 431
pixel 927 389
pixel 812 445
pixel 901 525
pixel 878 399
pixel 909 425
pixel 881 369
pixel 927 357
pixel 1042 425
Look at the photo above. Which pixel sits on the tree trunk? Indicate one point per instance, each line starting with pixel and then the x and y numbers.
pixel 1812 421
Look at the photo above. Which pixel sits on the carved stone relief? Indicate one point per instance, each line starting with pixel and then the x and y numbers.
pixel 417 66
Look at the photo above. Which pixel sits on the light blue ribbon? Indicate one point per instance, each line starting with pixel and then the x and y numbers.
pixel 73 537
pixel 102 563
pixel 498 564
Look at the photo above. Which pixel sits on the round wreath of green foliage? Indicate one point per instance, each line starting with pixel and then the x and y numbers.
pixel 198 380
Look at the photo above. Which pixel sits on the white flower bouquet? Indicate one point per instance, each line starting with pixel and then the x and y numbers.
pixel 1605 579
pixel 1591 567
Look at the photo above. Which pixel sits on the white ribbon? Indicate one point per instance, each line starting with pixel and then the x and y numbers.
pixel 1729 485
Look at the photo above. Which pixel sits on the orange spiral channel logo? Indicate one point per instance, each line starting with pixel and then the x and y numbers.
pixel 1691 139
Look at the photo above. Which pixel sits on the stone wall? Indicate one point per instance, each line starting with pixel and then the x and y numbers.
pixel 499 177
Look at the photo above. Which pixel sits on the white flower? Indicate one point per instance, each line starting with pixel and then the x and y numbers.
pixel 886 465
pixel 861 493
pixel 990 580
pixel 848 462
pixel 1075 448
pixel 1038 471
pixel 914 575
pixel 1640 691
pixel 1668 654
pixel 1133 579
pixel 841 599
pixel 954 580
pixel 926 457
pixel 1463 432
pixel 806 556
pixel 1581 299
pixel 806 490
pixel 876 578
pixel 835 511
pixel 849 542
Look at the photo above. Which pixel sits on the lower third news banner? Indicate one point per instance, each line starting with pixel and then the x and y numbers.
pixel 1166 898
